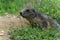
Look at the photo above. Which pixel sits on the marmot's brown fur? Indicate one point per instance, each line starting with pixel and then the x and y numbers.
pixel 42 20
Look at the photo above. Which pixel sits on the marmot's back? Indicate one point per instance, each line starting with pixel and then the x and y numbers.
pixel 35 17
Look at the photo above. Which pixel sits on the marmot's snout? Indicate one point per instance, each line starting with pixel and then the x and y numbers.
pixel 21 13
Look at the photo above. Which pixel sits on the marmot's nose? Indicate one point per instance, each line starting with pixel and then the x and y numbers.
pixel 20 13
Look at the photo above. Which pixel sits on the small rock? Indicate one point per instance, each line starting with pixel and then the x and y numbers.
pixel 2 33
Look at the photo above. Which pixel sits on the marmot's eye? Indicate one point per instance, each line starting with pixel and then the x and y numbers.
pixel 27 10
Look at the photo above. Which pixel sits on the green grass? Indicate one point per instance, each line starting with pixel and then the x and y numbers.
pixel 51 7
pixel 30 33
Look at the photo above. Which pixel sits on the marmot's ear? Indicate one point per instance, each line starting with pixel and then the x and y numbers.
pixel 33 10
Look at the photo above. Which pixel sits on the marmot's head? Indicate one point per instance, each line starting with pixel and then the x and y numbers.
pixel 28 13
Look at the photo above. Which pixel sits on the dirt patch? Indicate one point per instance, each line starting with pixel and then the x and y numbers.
pixel 10 21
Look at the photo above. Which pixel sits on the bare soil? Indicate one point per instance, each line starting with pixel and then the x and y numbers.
pixel 10 21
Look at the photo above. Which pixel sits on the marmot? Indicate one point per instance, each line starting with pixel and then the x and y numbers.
pixel 34 17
